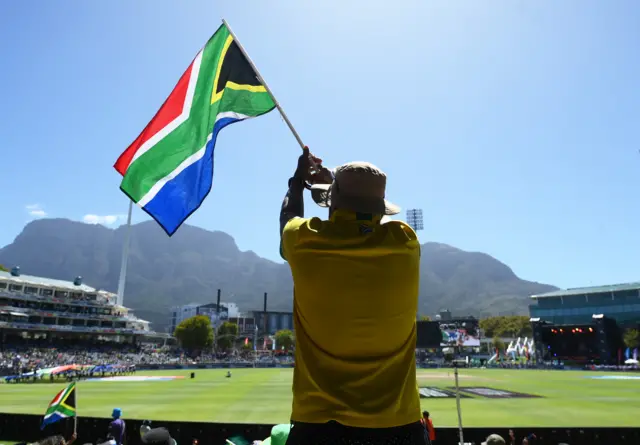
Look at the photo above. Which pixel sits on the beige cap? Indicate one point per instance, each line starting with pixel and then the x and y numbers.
pixel 357 186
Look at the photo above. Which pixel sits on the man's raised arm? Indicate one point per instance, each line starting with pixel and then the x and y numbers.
pixel 309 170
pixel 293 203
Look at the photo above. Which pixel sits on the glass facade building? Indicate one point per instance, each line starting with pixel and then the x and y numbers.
pixel 620 302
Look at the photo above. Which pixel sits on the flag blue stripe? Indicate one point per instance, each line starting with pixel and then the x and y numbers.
pixel 54 417
pixel 184 194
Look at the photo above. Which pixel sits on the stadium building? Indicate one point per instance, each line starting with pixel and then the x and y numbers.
pixel 620 302
pixel 585 325
pixel 273 321
pixel 43 309
pixel 267 323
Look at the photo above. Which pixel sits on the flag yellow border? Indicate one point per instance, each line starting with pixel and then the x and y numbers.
pixel 234 86
pixel 62 402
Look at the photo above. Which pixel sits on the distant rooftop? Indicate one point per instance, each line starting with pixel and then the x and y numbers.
pixel 197 305
pixel 590 290
pixel 45 282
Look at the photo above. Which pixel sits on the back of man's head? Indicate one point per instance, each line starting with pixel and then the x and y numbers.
pixel 358 187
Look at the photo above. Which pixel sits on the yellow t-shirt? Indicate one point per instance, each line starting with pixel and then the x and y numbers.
pixel 355 305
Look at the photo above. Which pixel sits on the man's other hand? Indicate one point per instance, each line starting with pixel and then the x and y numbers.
pixel 322 176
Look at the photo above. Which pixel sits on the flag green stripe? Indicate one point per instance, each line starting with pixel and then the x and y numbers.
pixel 66 412
pixel 59 409
pixel 165 156
pixel 184 140
pixel 192 135
pixel 53 408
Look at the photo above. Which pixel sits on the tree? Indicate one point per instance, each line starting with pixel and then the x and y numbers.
pixel 631 338
pixel 3 269
pixel 195 333
pixel 425 318
pixel 247 346
pixel 284 339
pixel 507 326
pixel 497 344
pixel 226 335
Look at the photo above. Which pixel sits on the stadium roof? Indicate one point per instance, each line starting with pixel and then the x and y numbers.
pixel 590 290
pixel 45 282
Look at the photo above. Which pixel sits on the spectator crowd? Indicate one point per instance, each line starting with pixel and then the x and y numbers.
pixel 16 359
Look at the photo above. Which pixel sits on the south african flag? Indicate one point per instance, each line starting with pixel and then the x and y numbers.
pixel 168 169
pixel 62 406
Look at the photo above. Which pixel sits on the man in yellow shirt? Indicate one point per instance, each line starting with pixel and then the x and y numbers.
pixel 355 303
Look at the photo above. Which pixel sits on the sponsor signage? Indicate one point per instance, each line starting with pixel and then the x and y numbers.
pixel 438 393
pixel 492 393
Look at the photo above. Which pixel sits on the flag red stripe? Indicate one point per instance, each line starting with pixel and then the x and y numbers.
pixel 57 397
pixel 171 109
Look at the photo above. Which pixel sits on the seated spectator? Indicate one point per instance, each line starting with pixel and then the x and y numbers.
pixel 279 435
pixel 158 436
pixel 494 439
pixel 145 427
pixel 512 437
pixel 108 441
pixel 57 440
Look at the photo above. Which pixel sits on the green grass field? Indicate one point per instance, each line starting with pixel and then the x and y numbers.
pixel 567 399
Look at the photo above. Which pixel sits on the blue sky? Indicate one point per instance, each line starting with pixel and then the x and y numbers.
pixel 513 124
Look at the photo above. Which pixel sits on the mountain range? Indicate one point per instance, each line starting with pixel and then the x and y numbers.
pixel 190 266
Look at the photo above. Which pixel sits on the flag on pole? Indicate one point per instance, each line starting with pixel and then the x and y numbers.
pixel 168 169
pixel 62 406
pixel 619 355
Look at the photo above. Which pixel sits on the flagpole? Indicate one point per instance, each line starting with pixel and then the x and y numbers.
pixel 266 87
pixel 75 418
pixel 125 257
pixel 455 373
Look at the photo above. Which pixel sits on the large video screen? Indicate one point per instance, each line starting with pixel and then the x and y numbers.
pixel 436 334
pixel 460 333
pixel 579 341
pixel 429 335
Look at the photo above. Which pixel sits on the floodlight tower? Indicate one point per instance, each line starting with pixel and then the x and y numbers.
pixel 414 219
